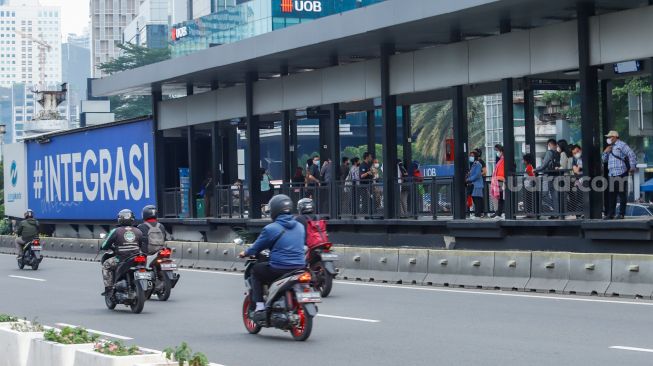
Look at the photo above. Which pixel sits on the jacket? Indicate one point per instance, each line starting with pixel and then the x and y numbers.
pixel 550 162
pixel 28 229
pixel 476 179
pixel 125 241
pixel 285 239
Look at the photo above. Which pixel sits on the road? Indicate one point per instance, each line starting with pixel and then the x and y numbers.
pixel 363 324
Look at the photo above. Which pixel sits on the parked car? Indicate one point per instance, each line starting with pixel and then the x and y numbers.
pixel 639 209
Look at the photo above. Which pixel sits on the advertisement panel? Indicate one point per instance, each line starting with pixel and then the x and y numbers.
pixel 92 174
pixel 15 178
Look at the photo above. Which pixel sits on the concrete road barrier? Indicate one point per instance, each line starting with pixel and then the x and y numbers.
pixel 512 270
pixel 475 269
pixel 225 257
pixel 383 265
pixel 207 256
pixel 413 266
pixel 549 272
pixel 442 268
pixel 589 274
pixel 355 264
pixel 176 248
pixel 632 276
pixel 63 248
pixel 190 254
pixel 7 244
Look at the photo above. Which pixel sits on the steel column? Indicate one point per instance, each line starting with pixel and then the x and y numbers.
pixel 192 174
pixel 589 110
pixel 159 147
pixel 407 127
pixel 285 146
pixel 333 152
pixel 294 142
pixel 389 109
pixel 253 156
pixel 461 162
pixel 607 119
pixel 371 132
pixel 508 143
pixel 529 121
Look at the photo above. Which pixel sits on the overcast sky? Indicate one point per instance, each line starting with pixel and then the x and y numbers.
pixel 74 15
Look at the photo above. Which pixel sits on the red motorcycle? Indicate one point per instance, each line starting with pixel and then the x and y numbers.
pixel 320 260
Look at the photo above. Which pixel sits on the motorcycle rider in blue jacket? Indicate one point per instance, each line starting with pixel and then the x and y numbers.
pixel 285 239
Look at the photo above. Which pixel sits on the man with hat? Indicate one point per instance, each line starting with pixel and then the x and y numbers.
pixel 621 163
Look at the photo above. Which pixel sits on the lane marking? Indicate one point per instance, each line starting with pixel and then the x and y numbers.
pixel 97 332
pixel 623 348
pixel 490 293
pixel 209 271
pixel 28 278
pixel 349 318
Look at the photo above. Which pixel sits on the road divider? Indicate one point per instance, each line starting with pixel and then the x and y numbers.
pixel 548 272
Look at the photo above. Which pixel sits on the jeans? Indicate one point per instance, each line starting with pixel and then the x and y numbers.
pixel 617 190
pixel 263 274
pixel 20 243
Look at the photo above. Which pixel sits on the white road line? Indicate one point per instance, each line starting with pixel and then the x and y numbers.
pixel 213 272
pixel 493 293
pixel 632 349
pixel 349 318
pixel 28 278
pixel 110 335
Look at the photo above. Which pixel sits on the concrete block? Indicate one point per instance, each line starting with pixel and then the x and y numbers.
pixel 475 269
pixel 589 274
pixel 413 265
pixel 512 270
pixel 356 264
pixel 442 267
pixel 207 256
pixel 190 254
pixel 549 272
pixel 383 265
pixel 632 276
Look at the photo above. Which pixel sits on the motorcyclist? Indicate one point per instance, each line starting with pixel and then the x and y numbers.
pixel 159 234
pixel 306 211
pixel 125 241
pixel 285 240
pixel 27 231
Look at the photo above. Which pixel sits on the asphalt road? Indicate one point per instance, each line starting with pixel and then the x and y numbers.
pixel 361 324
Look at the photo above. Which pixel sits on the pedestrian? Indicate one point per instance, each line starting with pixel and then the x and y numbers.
pixel 326 176
pixel 351 186
pixel 475 180
pixel 312 176
pixel 236 196
pixel 325 171
pixel 479 151
pixel 576 199
pixel 549 168
pixel 365 187
pixel 402 175
pixel 566 157
pixel 266 186
pixel 298 178
pixel 207 192
pixel 344 169
pixel 529 186
pixel 622 162
pixel 377 178
pixel 498 182
pixel 415 175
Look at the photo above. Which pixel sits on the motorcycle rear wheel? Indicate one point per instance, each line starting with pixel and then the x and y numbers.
pixel 250 325
pixel 35 266
pixel 302 331
pixel 167 288
pixel 139 302
pixel 324 281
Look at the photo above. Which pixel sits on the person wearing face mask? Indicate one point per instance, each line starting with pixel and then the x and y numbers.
pixel 475 180
pixel 377 178
pixel 576 197
pixel 497 184
pixel 566 158
pixel 549 167
pixel 621 161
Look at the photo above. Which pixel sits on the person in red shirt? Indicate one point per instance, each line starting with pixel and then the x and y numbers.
pixel 497 185
pixel 529 185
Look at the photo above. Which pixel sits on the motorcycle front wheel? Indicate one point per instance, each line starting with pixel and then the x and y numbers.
pixel 139 302
pixel 250 325
pixel 302 330
pixel 21 264
pixel 109 302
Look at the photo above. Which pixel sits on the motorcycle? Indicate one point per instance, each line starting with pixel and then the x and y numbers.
pixel 31 255
pixel 320 260
pixel 290 302
pixel 132 280
pixel 165 275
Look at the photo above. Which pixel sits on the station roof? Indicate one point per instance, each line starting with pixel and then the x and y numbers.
pixel 348 37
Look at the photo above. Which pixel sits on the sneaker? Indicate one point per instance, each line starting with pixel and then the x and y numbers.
pixel 619 217
pixel 259 316
pixel 107 291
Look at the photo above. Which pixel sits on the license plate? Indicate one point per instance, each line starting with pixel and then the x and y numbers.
pixel 306 297
pixel 142 275
pixel 168 266
pixel 36 248
pixel 329 257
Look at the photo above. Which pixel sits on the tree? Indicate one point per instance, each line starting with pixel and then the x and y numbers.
pixel 133 56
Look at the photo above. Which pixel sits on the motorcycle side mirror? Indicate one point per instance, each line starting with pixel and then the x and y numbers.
pixel 239 241
pixel 103 236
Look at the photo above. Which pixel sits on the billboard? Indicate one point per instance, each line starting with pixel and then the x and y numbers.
pixel 15 178
pixel 92 174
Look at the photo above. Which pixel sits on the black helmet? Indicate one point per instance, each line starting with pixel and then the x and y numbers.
pixel 305 206
pixel 279 204
pixel 149 212
pixel 29 214
pixel 126 218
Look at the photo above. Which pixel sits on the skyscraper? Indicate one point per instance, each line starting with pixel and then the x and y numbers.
pixel 76 61
pixel 108 20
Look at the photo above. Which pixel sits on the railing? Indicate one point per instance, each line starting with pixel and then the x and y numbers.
pixel 431 197
pixel 171 202
pixel 231 201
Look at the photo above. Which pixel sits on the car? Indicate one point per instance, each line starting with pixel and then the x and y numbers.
pixel 639 209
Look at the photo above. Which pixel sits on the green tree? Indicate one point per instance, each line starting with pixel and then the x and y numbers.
pixel 133 56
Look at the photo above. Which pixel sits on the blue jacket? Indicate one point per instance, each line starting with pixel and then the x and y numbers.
pixel 288 251
pixel 476 178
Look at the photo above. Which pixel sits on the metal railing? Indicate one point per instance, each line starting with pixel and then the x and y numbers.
pixel 171 202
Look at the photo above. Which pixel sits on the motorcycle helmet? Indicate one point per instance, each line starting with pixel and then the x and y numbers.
pixel 305 206
pixel 149 212
pixel 280 204
pixel 29 214
pixel 126 218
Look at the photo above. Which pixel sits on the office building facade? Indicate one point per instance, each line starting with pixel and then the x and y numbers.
pixel 108 21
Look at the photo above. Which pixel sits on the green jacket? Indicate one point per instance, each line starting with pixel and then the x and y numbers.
pixel 28 229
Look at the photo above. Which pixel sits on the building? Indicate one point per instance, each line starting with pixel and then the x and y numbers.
pixel 108 20
pixel 219 22
pixel 76 68
pixel 150 27
pixel 30 44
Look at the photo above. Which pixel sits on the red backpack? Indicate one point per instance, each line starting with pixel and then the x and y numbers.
pixel 316 233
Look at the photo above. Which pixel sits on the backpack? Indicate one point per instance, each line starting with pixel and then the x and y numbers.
pixel 316 233
pixel 555 162
pixel 156 237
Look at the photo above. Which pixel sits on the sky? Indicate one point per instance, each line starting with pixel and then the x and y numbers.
pixel 74 15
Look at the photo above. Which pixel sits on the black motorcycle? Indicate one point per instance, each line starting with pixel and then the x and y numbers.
pixel 31 255
pixel 321 260
pixel 165 274
pixel 290 302
pixel 132 281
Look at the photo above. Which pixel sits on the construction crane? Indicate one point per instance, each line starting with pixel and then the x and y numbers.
pixel 44 47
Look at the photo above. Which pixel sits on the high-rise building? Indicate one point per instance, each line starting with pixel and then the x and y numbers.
pixel 76 61
pixel 30 44
pixel 108 20
pixel 150 27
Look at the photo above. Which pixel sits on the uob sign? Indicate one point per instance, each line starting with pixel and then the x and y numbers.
pixel 313 6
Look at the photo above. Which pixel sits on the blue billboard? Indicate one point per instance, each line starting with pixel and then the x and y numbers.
pixel 92 174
